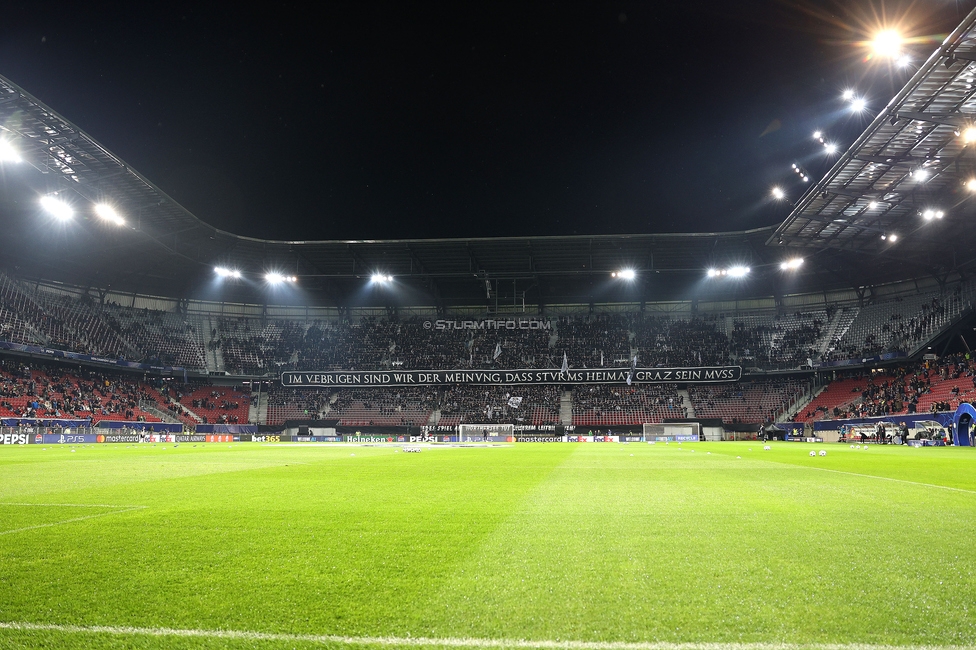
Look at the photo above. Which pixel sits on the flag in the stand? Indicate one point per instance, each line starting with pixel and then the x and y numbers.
pixel 515 402
pixel 601 358
pixel 633 369
pixel 498 351
pixel 565 367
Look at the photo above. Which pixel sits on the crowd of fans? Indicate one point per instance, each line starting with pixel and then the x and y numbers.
pixel 928 386
pixel 259 346
pixel 660 400
pixel 53 392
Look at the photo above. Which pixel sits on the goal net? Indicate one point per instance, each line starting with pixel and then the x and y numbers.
pixel 491 432
pixel 673 432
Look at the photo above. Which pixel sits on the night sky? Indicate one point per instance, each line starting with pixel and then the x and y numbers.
pixel 474 119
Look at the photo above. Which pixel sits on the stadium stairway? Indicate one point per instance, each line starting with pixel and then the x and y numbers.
pixel 800 404
pixel 566 408
pixel 258 411
pixel 158 412
pixel 686 403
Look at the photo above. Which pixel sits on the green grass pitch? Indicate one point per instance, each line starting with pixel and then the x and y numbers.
pixel 557 545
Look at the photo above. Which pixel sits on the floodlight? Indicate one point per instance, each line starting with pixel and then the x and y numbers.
pixel 929 214
pixel 778 193
pixel 969 134
pixel 817 135
pixel 712 273
pixel 738 271
pixel 848 94
pixel 273 277
pixel 8 153
pixel 57 208
pixel 791 264
pixel 830 148
pixel 920 175
pixel 887 43
pixel 971 185
pixel 858 105
pixel 892 237
pixel 872 205
pixel 227 273
pixel 627 274
pixel 108 213
pixel 904 61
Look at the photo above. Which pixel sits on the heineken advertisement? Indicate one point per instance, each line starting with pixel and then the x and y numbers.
pixel 380 379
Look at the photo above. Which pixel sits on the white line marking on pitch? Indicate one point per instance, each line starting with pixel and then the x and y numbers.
pixel 446 642
pixel 896 480
pixel 68 521
pixel 73 505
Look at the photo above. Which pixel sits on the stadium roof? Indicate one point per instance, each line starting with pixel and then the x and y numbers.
pixel 906 175
pixel 163 249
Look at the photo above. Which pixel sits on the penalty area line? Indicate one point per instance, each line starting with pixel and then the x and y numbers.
pixel 72 505
pixel 888 478
pixel 448 642
pixel 69 521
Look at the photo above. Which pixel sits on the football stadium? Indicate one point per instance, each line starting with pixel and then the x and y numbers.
pixel 750 439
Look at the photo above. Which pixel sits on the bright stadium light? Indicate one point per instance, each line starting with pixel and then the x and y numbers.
pixel 227 273
pixel 381 278
pixel 904 61
pixel 8 153
pixel 625 274
pixel 778 193
pixel 791 264
pixel 830 148
pixel 848 95
pixel 971 185
pixel 713 273
pixel 969 134
pixel 858 105
pixel 738 271
pixel 929 214
pixel 818 135
pixel 887 43
pixel 921 175
pixel 892 237
pixel 108 213
pixel 57 208
pixel 872 205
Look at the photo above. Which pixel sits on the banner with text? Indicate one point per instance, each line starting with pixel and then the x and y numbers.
pixel 382 378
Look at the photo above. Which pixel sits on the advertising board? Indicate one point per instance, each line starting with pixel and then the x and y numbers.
pixel 69 438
